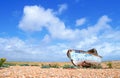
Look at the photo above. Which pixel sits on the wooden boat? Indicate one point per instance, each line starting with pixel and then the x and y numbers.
pixel 84 58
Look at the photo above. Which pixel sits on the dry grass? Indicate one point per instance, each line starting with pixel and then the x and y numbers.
pixel 115 64
pixel 40 63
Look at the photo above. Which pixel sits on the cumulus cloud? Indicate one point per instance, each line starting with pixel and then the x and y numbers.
pixel 19 50
pixel 36 17
pixel 58 38
pixel 80 22
pixel 100 36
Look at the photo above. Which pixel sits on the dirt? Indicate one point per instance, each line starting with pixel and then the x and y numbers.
pixel 37 72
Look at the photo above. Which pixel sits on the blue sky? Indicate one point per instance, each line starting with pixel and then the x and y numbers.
pixel 43 30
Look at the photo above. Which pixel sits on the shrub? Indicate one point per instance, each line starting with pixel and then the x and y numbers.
pixel 96 66
pixel 50 66
pixel 2 61
pixel 34 65
pixel 45 66
pixel 10 64
pixel 109 65
pixel 24 65
pixel 5 65
pixel 54 65
pixel 68 66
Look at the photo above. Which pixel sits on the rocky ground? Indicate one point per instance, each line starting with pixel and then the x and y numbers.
pixel 37 72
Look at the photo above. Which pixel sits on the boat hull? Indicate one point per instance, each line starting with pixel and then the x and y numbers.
pixel 78 58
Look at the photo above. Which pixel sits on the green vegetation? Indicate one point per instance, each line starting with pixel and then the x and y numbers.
pixel 2 61
pixel 24 65
pixel 109 65
pixel 50 66
pixel 45 66
pixel 34 65
pixel 10 64
pixel 54 65
pixel 66 66
pixel 5 66
pixel 96 66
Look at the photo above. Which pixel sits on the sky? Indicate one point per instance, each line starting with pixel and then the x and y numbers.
pixel 43 30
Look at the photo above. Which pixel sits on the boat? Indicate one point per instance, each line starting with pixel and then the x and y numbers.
pixel 84 58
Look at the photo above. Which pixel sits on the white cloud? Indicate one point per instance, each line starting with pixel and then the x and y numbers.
pixel 58 38
pixel 46 39
pixel 80 22
pixel 15 49
pixel 36 17
pixel 100 27
pixel 62 7
pixel 100 36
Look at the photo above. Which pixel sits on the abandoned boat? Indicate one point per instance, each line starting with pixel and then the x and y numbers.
pixel 84 58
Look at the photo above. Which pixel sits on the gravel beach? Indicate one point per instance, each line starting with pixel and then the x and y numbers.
pixel 37 72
